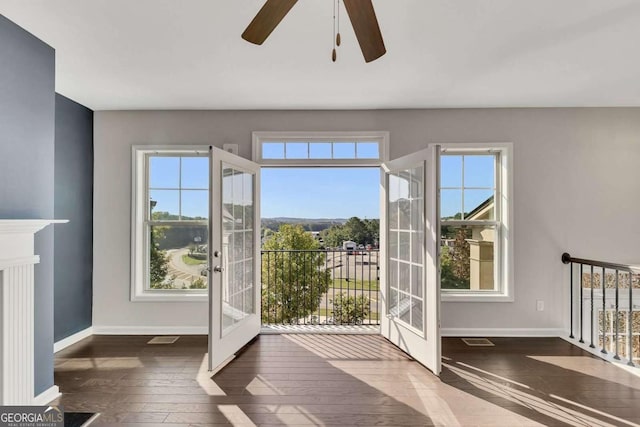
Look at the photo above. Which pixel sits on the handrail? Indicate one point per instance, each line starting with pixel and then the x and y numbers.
pixel 566 259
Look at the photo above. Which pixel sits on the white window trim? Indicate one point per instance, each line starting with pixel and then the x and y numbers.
pixel 139 242
pixel 504 192
pixel 381 137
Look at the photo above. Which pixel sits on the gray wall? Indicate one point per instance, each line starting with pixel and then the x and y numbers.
pixel 575 171
pixel 73 201
pixel 27 116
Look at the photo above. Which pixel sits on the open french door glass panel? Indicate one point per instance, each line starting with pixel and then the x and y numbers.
pixel 410 272
pixel 234 260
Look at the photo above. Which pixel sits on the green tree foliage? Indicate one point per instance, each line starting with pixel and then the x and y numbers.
pixel 158 260
pixel 334 236
pixel 355 229
pixel 350 310
pixel 198 283
pixel 293 282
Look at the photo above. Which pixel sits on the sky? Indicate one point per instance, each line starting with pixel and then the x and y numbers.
pixel 317 192
pixel 320 192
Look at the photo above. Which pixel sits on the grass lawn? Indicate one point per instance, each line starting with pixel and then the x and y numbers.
pixel 354 284
pixel 192 261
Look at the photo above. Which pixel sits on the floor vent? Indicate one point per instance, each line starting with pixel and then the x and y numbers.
pixel 478 342
pixel 163 340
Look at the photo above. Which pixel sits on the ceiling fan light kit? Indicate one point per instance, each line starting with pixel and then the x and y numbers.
pixel 361 14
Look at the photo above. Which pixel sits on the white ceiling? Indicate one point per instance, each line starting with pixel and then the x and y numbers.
pixel 188 54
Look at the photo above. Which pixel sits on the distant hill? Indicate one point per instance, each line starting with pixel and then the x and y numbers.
pixel 309 224
pixel 298 220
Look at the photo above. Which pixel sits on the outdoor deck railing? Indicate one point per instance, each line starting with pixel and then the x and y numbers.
pixel 607 317
pixel 320 287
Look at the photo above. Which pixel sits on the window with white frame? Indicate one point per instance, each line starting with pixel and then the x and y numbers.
pixel 475 253
pixel 170 223
pixel 320 148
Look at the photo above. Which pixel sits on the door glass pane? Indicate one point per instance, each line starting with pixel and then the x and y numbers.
pixel 406 246
pixel 238 257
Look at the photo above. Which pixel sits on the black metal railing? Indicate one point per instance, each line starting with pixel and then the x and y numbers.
pixel 606 318
pixel 320 287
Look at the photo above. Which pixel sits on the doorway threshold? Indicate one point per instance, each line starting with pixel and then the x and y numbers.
pixel 321 329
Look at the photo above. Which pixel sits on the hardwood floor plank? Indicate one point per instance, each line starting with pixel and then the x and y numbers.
pixel 343 380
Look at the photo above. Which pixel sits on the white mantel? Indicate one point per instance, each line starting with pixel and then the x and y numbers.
pixel 17 259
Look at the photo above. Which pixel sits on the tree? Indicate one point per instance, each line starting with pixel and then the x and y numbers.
pixel 334 236
pixel 294 276
pixel 360 231
pixel 158 260
pixel 357 229
pixel 460 254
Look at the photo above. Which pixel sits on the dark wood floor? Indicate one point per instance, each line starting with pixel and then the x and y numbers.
pixel 344 380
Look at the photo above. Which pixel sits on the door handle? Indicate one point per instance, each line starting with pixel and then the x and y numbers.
pixel 218 269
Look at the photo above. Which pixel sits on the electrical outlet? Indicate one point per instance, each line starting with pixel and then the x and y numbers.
pixel 540 305
pixel 231 148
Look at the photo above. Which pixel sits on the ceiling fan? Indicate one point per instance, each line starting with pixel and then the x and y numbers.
pixel 361 13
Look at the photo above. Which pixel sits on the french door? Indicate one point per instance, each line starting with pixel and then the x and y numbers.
pixel 410 272
pixel 234 255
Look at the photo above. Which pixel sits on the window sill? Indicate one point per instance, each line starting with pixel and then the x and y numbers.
pixel 467 296
pixel 170 297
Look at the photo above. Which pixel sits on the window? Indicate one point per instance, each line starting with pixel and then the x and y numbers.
pixel 170 223
pixel 475 253
pixel 405 248
pixel 320 148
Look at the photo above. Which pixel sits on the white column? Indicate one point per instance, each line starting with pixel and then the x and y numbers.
pixel 17 259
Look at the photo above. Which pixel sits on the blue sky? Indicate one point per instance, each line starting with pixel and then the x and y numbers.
pixel 320 192
pixel 316 192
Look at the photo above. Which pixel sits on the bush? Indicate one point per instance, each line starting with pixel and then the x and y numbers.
pixel 199 283
pixel 350 309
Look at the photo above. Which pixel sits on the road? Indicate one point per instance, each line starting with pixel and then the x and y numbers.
pixel 183 273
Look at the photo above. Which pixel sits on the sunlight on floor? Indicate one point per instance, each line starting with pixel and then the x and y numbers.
pixel 434 406
pixel 259 386
pixel 203 377
pixel 235 416
pixel 345 347
pixel 527 398
pixel 589 366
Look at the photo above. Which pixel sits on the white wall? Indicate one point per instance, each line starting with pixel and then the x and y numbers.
pixel 576 182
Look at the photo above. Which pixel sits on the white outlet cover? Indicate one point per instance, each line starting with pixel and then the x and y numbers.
pixel 230 148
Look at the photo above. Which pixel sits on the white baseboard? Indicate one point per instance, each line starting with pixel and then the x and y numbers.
pixel 501 332
pixel 47 396
pixel 70 340
pixel 150 330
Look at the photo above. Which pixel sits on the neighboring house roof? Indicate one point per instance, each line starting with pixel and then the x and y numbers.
pixel 482 210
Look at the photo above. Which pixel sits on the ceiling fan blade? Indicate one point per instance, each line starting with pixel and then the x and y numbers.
pixel 267 20
pixel 365 25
